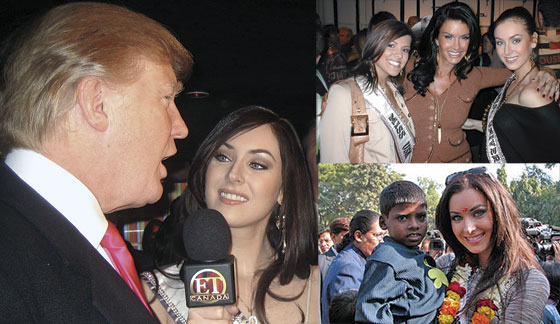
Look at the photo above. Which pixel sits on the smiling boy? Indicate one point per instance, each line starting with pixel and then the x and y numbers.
pixel 401 283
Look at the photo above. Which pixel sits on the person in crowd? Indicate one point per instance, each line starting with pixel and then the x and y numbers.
pixel 552 272
pixel 495 277
pixel 345 35
pixel 366 119
pixel 484 97
pixel 548 48
pixel 358 42
pixel 82 87
pixel 332 63
pixel 251 168
pixel 521 125
pixel 412 20
pixel 343 307
pixel 379 17
pixel 489 55
pixel 338 229
pixel 325 241
pixel 347 268
pixel 401 283
pixel 442 83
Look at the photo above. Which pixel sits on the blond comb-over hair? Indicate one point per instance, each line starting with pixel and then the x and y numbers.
pixel 67 44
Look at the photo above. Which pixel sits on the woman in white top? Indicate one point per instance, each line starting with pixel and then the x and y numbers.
pixel 252 169
pixel 388 128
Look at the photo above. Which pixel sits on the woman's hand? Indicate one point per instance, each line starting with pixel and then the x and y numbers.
pixel 472 124
pixel 212 314
pixel 547 84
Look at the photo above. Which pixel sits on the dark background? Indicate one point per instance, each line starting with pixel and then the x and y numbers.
pixel 246 52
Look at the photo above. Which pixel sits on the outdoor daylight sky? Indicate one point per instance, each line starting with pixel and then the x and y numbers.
pixel 438 172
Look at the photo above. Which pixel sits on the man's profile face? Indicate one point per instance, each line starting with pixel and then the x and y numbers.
pixel 144 122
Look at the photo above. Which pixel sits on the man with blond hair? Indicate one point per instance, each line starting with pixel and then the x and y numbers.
pixel 87 115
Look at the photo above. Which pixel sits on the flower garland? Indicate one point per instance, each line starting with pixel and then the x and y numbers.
pixel 485 308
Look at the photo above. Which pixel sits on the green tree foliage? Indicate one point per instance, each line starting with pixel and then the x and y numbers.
pixel 432 190
pixel 537 196
pixel 502 175
pixel 347 188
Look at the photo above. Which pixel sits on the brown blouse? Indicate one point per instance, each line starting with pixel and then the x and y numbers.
pixel 454 110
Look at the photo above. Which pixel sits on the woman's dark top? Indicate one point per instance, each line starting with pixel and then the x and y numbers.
pixel 528 135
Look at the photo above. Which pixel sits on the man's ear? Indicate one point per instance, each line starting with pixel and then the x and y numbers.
pixel 358 236
pixel 382 223
pixel 90 100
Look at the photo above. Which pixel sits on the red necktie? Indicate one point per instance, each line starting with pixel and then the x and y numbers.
pixel 115 247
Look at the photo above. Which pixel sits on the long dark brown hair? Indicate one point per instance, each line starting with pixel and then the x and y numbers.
pixel 297 202
pixel 511 253
pixel 377 40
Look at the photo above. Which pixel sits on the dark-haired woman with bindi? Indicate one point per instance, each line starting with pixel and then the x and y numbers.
pixel 495 277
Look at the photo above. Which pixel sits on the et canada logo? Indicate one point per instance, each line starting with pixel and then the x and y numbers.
pixel 208 286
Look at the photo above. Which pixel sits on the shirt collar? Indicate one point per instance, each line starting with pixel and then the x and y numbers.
pixel 62 190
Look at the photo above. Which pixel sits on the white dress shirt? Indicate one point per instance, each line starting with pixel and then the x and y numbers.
pixel 64 192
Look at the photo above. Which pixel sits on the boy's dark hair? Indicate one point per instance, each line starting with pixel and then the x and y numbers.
pixel 400 192
pixel 342 307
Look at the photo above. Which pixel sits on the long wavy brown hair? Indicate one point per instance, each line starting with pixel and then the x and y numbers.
pixel 511 254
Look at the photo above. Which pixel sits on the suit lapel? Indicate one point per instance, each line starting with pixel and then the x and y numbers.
pixel 109 293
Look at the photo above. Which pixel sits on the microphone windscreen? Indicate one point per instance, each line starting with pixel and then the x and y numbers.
pixel 206 236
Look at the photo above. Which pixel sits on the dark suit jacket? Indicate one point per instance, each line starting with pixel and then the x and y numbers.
pixel 49 273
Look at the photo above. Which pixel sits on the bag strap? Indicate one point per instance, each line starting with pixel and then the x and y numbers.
pixel 359 135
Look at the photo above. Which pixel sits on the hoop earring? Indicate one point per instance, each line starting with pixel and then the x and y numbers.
pixel 281 226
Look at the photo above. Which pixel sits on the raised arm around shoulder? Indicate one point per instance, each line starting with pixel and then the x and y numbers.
pixel 492 77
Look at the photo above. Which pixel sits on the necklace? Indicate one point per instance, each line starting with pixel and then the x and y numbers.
pixel 240 319
pixel 439 109
pixel 485 115
pixel 486 307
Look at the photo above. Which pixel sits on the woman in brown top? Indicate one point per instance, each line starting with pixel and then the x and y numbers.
pixel 440 89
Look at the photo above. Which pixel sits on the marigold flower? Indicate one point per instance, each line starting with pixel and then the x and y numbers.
pixel 445 319
pixel 453 295
pixel 486 311
pixel 479 318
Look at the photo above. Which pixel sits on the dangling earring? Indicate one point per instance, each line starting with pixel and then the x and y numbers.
pixel 281 226
pixel 533 59
pixel 372 70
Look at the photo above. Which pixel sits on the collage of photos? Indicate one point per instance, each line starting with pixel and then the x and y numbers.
pixel 179 161
pixel 439 189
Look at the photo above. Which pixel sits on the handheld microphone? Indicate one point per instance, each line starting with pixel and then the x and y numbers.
pixel 209 274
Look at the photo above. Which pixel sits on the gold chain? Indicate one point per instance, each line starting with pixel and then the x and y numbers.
pixel 439 109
